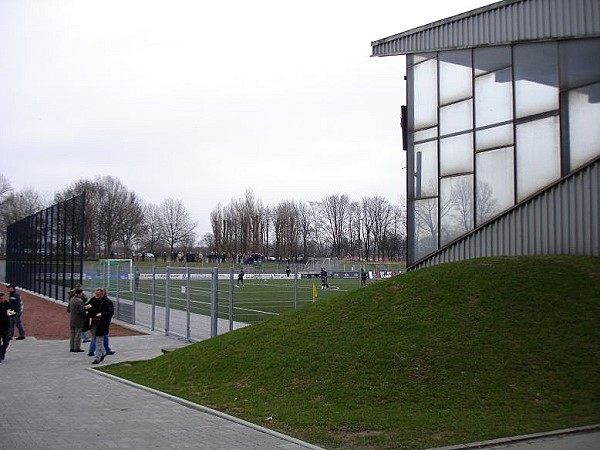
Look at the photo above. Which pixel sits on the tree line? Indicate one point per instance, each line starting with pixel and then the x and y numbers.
pixel 118 223
pixel 335 226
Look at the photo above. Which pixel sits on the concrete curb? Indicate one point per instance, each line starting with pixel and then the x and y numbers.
pixel 207 410
pixel 525 437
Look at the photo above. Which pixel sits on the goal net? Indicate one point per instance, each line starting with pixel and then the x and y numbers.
pixel 116 274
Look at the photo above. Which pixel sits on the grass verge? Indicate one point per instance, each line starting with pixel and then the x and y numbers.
pixel 456 353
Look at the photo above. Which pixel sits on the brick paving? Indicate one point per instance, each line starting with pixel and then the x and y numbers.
pixel 53 399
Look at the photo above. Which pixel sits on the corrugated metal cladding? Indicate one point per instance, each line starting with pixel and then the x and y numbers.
pixel 563 220
pixel 503 22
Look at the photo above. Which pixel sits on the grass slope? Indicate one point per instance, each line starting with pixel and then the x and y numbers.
pixel 450 354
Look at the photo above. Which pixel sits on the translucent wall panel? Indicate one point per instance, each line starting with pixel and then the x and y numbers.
pixel 493 98
pixel 423 135
pixel 456 210
pixel 456 79
pixel 456 154
pixel 538 155
pixel 425 94
pixel 420 57
pixel 584 124
pixel 501 136
pixel 535 68
pixel 490 59
pixel 426 227
pixel 494 191
pixel 456 117
pixel 580 62
pixel 426 173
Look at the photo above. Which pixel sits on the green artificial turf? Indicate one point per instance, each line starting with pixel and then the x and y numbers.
pixel 456 353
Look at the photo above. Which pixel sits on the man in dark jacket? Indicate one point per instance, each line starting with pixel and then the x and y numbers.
pixel 100 312
pixel 78 317
pixel 4 325
pixel 15 320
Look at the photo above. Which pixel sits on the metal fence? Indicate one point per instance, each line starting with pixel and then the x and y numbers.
pixel 177 301
pixel 44 251
pixel 197 303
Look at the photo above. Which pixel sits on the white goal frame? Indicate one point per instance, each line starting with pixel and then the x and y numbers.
pixel 116 274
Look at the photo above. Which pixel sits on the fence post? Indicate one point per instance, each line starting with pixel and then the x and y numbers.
pixel 295 286
pixel 167 300
pixel 214 302
pixel 231 299
pixel 134 290
pixel 187 305
pixel 118 281
pixel 153 301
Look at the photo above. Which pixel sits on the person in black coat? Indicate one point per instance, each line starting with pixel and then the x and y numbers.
pixel 16 305
pixel 4 325
pixel 100 312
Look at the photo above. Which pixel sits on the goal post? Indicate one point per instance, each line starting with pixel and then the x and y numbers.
pixel 116 274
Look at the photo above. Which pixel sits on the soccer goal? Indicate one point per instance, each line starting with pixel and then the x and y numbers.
pixel 116 274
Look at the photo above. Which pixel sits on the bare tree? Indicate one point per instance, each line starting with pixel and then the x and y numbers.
pixel 318 229
pixel 91 242
pixel 113 196
pixel 335 210
pixel 286 229
pixel 5 188
pixel 17 205
pixel 208 241
pixel 486 204
pixel 132 225
pixel 354 230
pixel 378 214
pixel 151 238
pixel 462 202
pixel 426 223
pixel 216 221
pixel 241 227
pixel 305 225
pixel 397 239
pixel 175 224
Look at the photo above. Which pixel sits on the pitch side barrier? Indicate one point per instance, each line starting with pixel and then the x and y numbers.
pixel 372 275
pixel 198 303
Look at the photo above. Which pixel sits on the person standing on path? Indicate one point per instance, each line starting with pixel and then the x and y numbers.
pixel 16 305
pixel 78 318
pixel 100 312
pixel 4 325
pixel 85 330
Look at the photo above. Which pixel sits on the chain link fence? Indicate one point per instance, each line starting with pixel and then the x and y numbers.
pixel 196 303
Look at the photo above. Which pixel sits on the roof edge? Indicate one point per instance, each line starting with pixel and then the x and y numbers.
pixel 445 21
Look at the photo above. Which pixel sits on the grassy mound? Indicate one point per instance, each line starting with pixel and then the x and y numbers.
pixel 456 353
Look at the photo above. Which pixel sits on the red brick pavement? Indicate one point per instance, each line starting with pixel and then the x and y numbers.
pixel 45 319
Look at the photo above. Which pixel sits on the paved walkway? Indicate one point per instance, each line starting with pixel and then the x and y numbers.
pixel 584 438
pixel 51 399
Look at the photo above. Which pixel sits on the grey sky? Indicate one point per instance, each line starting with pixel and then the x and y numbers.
pixel 199 101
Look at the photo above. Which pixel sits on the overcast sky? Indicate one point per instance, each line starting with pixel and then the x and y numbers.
pixel 199 101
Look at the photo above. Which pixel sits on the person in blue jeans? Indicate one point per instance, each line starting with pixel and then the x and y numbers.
pixel 14 301
pixel 92 349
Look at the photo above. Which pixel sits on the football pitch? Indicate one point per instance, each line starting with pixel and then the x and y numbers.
pixel 255 300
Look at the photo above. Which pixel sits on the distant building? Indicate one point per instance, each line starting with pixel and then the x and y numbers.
pixel 502 131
